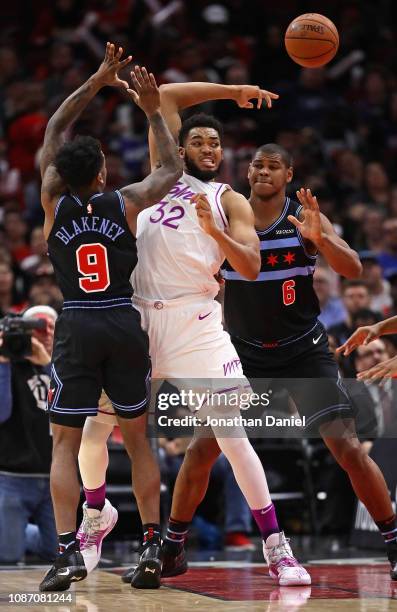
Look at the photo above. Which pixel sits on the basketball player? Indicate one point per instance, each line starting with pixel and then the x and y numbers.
pixel 182 241
pixel 99 342
pixel 274 327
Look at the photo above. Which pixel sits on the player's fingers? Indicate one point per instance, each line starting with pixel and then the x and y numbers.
pixel 122 83
pixel 125 62
pixel 294 221
pixel 138 75
pixel 259 101
pixel 145 75
pixel 107 51
pixel 133 95
pixel 152 79
pixel 370 336
pixel 135 80
pixel 111 52
pixel 119 53
pixel 300 194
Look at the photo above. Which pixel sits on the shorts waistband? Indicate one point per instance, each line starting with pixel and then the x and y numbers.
pixel 274 344
pixel 177 303
pixel 96 304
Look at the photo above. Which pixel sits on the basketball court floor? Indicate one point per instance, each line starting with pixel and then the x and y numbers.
pixel 233 582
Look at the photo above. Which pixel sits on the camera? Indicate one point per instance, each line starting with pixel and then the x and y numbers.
pixel 17 336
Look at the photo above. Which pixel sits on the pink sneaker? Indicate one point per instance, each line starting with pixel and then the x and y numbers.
pixel 283 566
pixel 94 528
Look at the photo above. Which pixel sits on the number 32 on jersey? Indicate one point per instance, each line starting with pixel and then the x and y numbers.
pixel 92 263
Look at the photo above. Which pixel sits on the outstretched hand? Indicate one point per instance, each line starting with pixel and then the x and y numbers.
pixel 381 372
pixel 362 336
pixel 107 72
pixel 310 228
pixel 249 92
pixel 146 94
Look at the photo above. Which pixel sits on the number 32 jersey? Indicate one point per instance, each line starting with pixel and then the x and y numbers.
pixel 176 258
pixel 92 248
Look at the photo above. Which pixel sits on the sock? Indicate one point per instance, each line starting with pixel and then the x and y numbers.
pixel 96 497
pixel 151 534
pixel 176 534
pixel 67 541
pixel 388 529
pixel 266 520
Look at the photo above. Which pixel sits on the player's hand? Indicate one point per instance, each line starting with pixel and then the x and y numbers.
pixel 381 372
pixel 245 93
pixel 204 214
pixel 310 227
pixel 39 354
pixel 107 73
pixel 362 335
pixel 147 94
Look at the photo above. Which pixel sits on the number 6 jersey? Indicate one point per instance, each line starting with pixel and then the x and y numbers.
pixel 176 258
pixel 280 305
pixel 92 249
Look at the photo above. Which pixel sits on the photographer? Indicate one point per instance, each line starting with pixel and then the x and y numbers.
pixel 25 440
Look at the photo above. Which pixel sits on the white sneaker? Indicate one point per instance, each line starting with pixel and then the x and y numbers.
pixel 95 526
pixel 283 566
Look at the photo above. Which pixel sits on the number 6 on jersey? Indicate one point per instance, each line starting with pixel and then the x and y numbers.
pixel 92 263
pixel 288 292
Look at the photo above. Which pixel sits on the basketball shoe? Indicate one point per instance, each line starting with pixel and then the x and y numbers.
pixel 68 567
pixel 283 566
pixel 147 574
pixel 95 526
pixel 174 564
pixel 392 556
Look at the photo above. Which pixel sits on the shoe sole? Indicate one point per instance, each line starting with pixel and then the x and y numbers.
pixel 108 530
pixel 290 582
pixel 181 569
pixel 62 583
pixel 147 575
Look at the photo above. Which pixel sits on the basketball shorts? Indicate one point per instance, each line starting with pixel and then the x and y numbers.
pixel 189 347
pixel 97 349
pixel 306 369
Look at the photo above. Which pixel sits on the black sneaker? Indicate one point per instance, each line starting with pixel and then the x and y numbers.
pixel 67 568
pixel 147 574
pixel 392 556
pixel 173 564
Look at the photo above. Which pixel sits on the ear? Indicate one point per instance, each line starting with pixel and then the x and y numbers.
pixel 182 152
pixel 290 174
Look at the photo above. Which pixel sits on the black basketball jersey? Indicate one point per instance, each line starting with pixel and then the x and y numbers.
pixel 280 305
pixel 92 249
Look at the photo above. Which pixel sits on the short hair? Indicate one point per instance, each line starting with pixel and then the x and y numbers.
pixel 274 149
pixel 199 120
pixel 355 282
pixel 79 161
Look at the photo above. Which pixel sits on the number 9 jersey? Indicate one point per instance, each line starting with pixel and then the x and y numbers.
pixel 92 248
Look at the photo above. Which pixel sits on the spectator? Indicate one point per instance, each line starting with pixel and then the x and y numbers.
pixel 379 288
pixel 371 230
pixel 25 449
pixel 388 256
pixel 10 301
pixel 38 260
pixel 16 230
pixel 332 309
pixel 377 185
pixel 355 296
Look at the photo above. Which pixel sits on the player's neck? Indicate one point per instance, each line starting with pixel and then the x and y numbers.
pixel 268 210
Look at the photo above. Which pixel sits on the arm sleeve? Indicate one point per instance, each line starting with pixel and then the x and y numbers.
pixel 5 392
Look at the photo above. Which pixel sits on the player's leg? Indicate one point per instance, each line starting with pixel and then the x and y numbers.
pixel 99 516
pixel 369 485
pixel 126 381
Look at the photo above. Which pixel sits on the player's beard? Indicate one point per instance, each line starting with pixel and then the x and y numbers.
pixel 202 175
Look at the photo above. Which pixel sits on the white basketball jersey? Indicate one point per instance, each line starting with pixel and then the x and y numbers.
pixel 176 258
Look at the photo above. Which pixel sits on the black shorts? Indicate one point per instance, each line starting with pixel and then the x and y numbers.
pixel 321 399
pixel 95 350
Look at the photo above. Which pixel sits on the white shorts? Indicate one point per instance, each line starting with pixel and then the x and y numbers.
pixel 189 347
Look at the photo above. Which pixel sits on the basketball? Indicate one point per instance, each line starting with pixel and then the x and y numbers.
pixel 311 40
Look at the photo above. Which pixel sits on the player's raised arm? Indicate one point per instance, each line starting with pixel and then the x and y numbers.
pixel 241 244
pixel 157 184
pixel 365 335
pixel 69 111
pixel 177 96
pixel 316 229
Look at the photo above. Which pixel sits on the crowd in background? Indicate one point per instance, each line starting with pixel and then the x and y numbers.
pixel 338 122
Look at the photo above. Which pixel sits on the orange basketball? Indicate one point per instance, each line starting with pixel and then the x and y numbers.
pixel 311 40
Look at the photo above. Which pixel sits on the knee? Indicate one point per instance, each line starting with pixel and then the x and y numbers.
pixel 200 458
pixel 350 455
